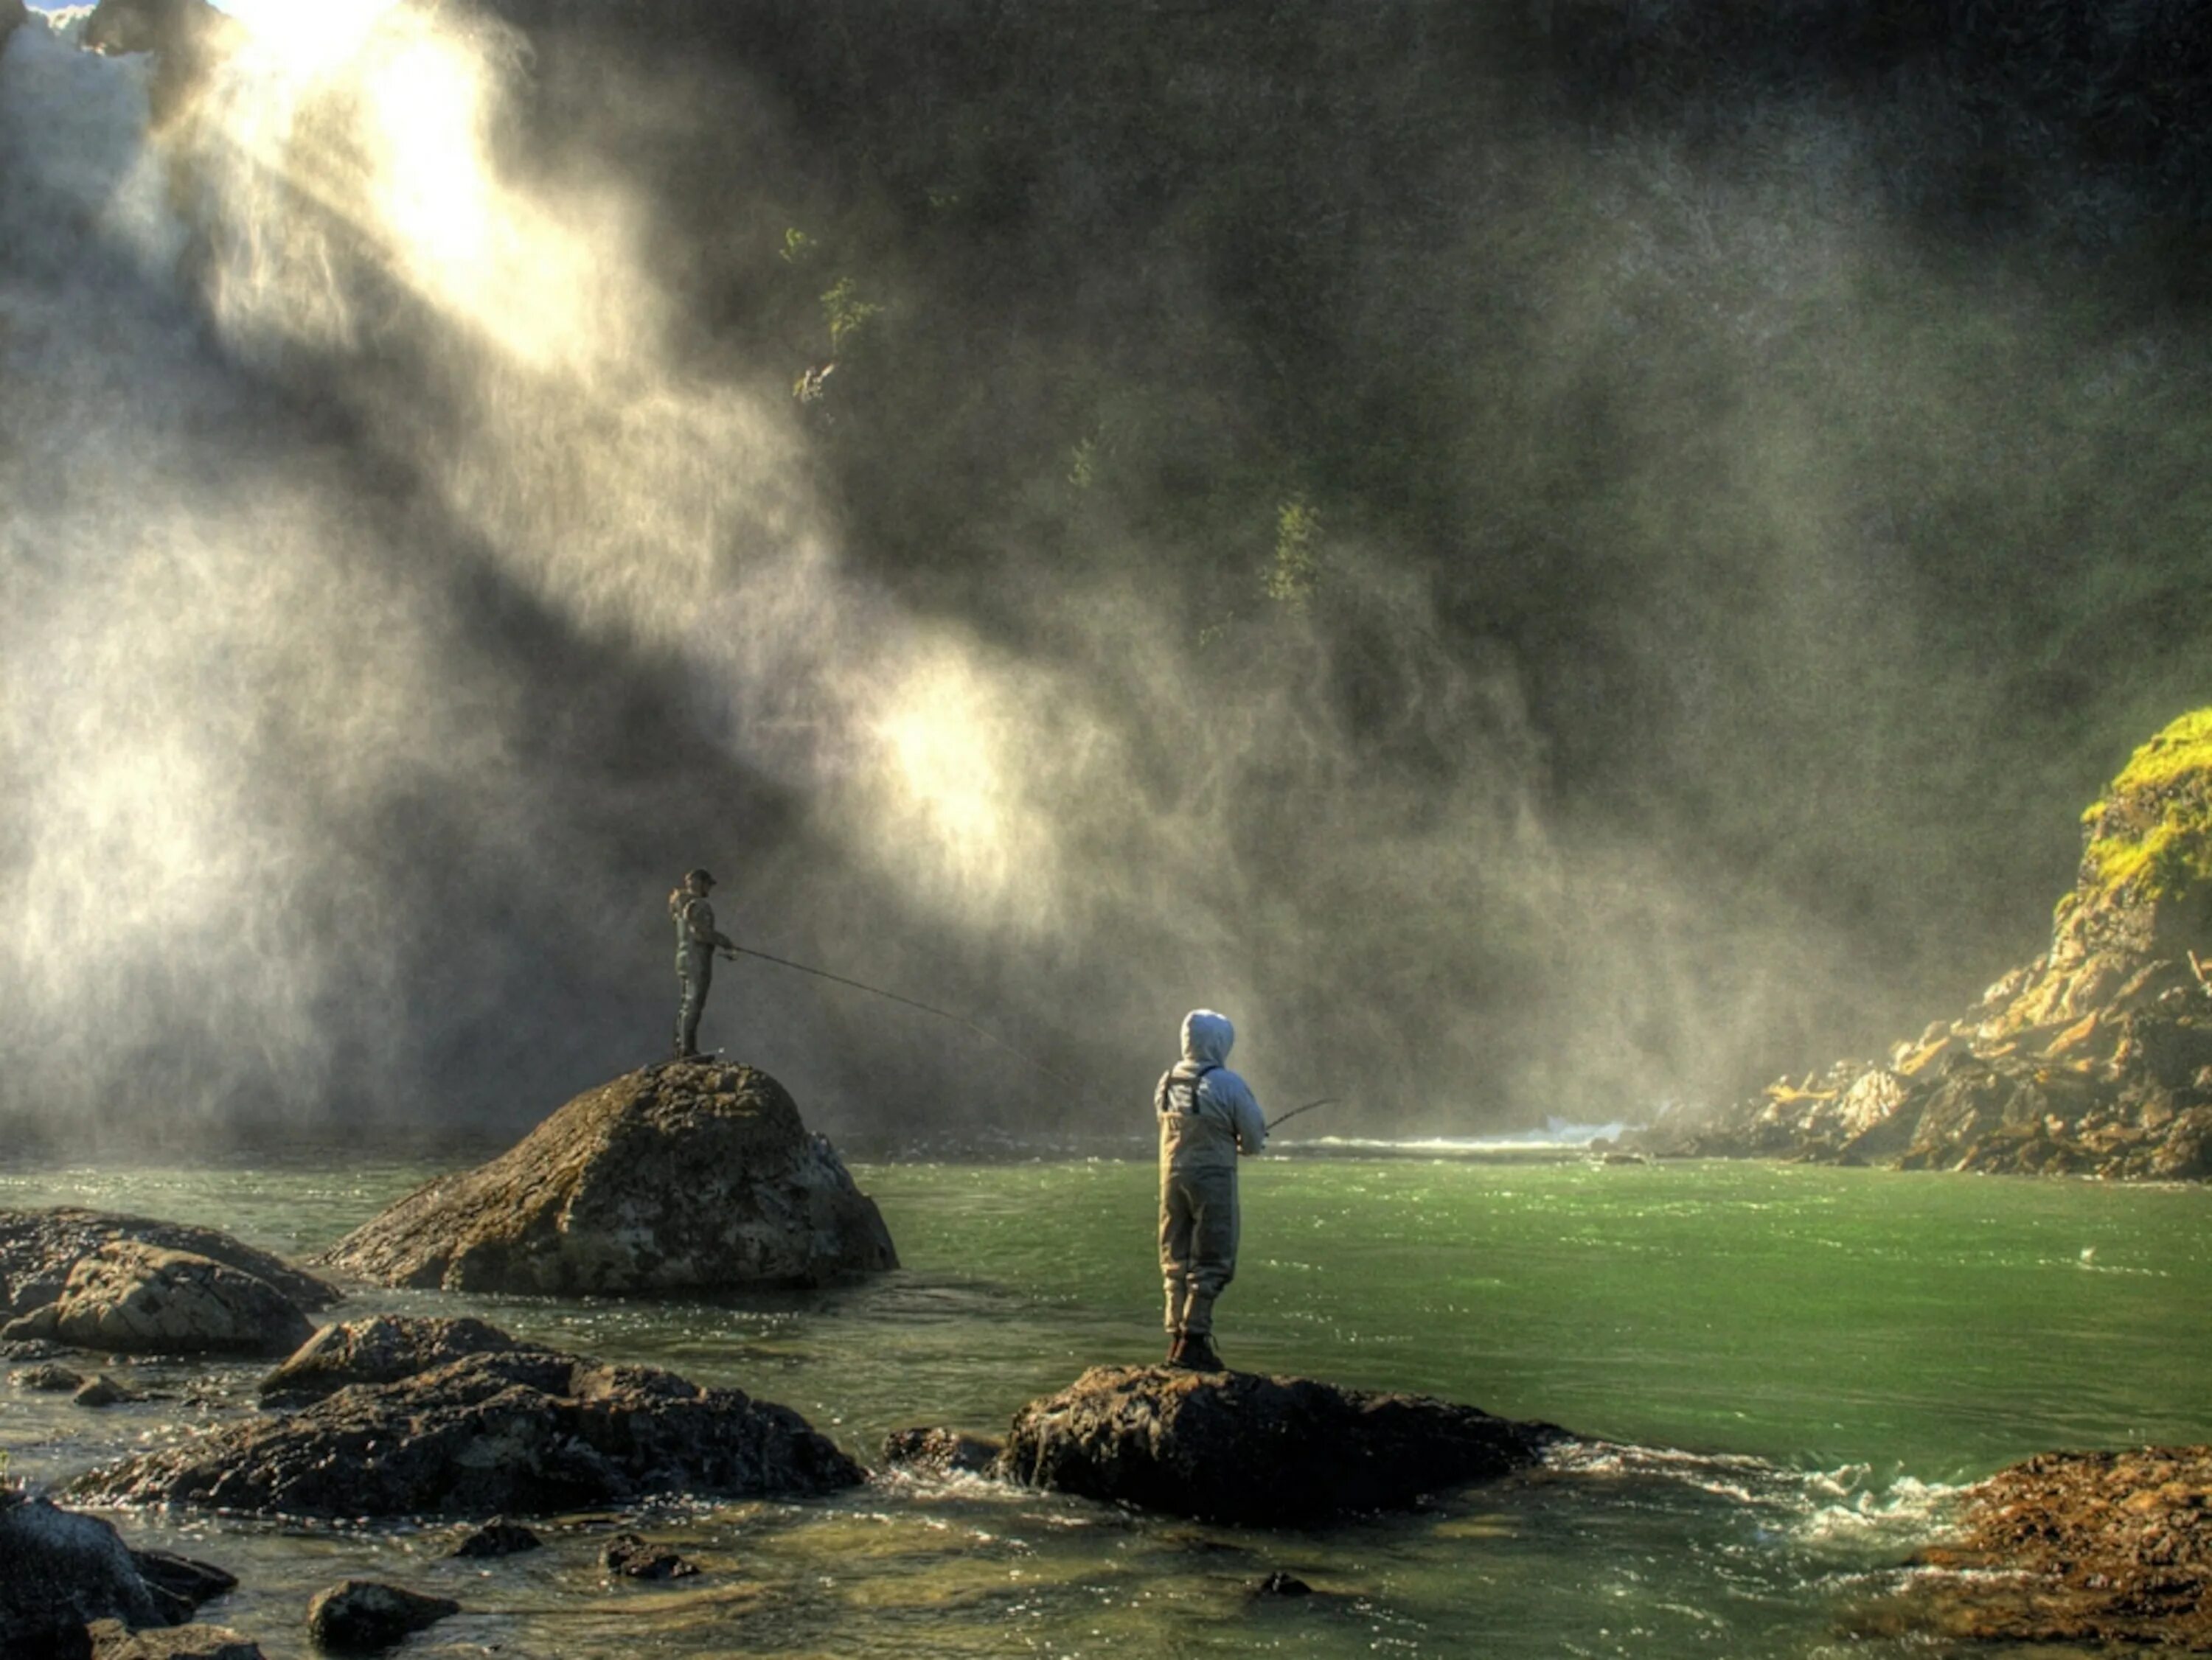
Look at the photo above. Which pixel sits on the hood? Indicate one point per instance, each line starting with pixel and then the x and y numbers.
pixel 1206 1038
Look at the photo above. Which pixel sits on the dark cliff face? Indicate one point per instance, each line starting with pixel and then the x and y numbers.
pixel 2095 1058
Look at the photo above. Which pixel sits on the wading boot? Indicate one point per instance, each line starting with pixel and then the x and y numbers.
pixel 1197 1355
pixel 1175 1341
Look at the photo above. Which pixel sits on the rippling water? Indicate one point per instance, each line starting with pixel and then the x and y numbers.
pixel 1792 1367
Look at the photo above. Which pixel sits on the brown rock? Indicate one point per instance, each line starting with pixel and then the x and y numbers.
pixel 2080 1547
pixel 1233 1447
pixel 382 1349
pixel 680 1177
pixel 39 1249
pixel 360 1616
pixel 501 1433
pixel 114 1640
pixel 135 1299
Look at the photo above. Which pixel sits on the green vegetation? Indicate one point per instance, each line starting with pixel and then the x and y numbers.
pixel 1295 576
pixel 2153 833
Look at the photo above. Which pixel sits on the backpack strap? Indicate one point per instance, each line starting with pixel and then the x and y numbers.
pixel 1170 1084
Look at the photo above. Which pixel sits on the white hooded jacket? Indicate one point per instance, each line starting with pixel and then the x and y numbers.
pixel 1204 1126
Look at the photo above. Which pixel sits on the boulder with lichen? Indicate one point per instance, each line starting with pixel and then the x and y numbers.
pixel 686 1176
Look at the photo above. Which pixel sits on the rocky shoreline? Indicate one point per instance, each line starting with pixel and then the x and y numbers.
pixel 2095 1059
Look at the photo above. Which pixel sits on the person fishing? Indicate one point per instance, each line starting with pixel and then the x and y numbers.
pixel 697 939
pixel 1208 1118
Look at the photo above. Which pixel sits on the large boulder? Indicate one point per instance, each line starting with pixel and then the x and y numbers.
pixel 1234 1446
pixel 512 1431
pixel 685 1176
pixel 135 1299
pixel 59 1570
pixel 2079 1548
pixel 39 1248
pixel 2093 1059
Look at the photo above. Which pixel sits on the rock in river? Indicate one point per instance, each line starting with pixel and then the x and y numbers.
pixel 381 1349
pixel 520 1430
pixel 2080 1547
pixel 1271 1452
pixel 684 1176
pixel 63 1571
pixel 39 1249
pixel 361 1616
pixel 137 1299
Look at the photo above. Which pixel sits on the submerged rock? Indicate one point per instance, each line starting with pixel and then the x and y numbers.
pixel 1234 1446
pixel 518 1430
pixel 684 1176
pixel 2095 1059
pixel 360 1616
pixel 131 1298
pixel 103 1391
pixel 64 1571
pixel 497 1537
pixel 381 1349
pixel 629 1555
pixel 2080 1547
pixel 111 1639
pixel 942 1451
pixel 39 1249
pixel 50 1377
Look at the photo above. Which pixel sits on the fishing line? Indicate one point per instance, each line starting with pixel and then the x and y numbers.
pixel 983 1032
pixel 1326 1101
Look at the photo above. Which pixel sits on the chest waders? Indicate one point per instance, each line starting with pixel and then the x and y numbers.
pixel 694 969
pixel 1198 1221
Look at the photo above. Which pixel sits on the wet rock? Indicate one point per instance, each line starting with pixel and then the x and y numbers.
pixel 382 1349
pixel 942 1451
pixel 64 1571
pixel 517 1431
pixel 39 1249
pixel 631 1556
pixel 179 1583
pixel 49 1378
pixel 103 1391
pixel 685 1176
pixel 1234 1446
pixel 112 1639
pixel 128 1297
pixel 361 1616
pixel 497 1537
pixel 1282 1583
pixel 2095 1059
pixel 2080 1547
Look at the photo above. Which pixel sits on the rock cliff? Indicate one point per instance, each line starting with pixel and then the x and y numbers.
pixel 684 1176
pixel 2093 1059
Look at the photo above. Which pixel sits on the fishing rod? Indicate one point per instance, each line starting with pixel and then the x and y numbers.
pixel 1326 1101
pixel 983 1032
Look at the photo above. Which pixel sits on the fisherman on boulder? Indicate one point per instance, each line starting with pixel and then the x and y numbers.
pixel 1207 1118
pixel 697 940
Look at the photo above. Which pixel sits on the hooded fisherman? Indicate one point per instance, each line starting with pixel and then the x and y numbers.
pixel 697 939
pixel 1207 1119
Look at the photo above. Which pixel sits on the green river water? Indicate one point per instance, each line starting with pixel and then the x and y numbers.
pixel 1790 1369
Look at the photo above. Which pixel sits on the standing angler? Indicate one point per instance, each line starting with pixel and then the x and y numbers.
pixel 696 941
pixel 1207 1118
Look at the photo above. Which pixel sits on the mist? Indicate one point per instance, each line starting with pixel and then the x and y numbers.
pixel 1632 610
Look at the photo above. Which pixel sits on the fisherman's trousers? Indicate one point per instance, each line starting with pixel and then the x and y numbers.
pixel 697 970
pixel 1197 1243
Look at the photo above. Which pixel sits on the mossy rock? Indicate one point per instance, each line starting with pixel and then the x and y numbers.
pixel 2150 838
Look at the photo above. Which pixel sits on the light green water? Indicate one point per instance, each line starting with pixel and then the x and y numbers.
pixel 1799 1362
